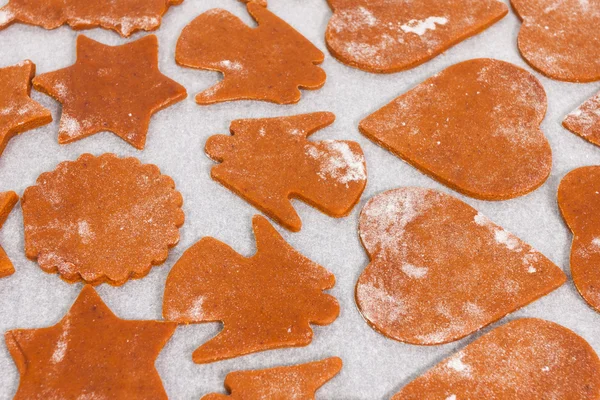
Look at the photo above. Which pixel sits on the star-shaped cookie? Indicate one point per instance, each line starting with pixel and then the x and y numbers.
pixel 110 88
pixel 90 354
pixel 18 113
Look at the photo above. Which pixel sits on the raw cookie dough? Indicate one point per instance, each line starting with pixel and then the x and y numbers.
pixel 579 203
pixel 269 62
pixel 561 38
pixel 261 2
pixel 585 120
pixel 101 219
pixel 122 16
pixel 269 161
pixel 281 383
pixel 18 113
pixel 474 127
pixel 440 270
pixel 526 359
pixel 90 354
pixel 266 301
pixel 390 36
pixel 7 202
pixel 110 88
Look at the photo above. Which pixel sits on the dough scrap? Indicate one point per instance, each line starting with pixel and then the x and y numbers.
pixel 579 204
pixel 122 16
pixel 269 63
pixel 474 127
pixel 101 219
pixel 526 359
pixel 90 354
pixel 266 301
pixel 388 36
pixel 293 382
pixel 585 120
pixel 7 202
pixel 18 112
pixel 269 161
pixel 110 88
pixel 440 270
pixel 561 38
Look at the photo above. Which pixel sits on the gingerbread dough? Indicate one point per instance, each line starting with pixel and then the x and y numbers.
pixel 389 36
pixel 526 359
pixel 261 2
pixel 269 161
pixel 561 38
pixel 585 120
pixel 7 202
pixel 18 113
pixel 122 16
pixel 579 204
pixel 266 301
pixel 293 382
pixel 90 354
pixel 110 88
pixel 440 270
pixel 269 62
pixel 101 219
pixel 474 127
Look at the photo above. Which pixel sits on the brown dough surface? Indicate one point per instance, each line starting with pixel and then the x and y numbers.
pixel 526 359
pixel 101 219
pixel 110 88
pixel 7 202
pixel 440 270
pixel 269 62
pixel 474 127
pixel 266 301
pixel 122 16
pixel 585 120
pixel 18 113
pixel 269 161
pixel 579 203
pixel 90 354
pixel 389 36
pixel 281 383
pixel 561 38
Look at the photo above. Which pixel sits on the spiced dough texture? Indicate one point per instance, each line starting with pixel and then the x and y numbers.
pixel 474 127
pixel 269 161
pixel 110 88
pixel 266 301
pixel 526 359
pixel 439 270
pixel 270 62
pixel 293 382
pixel 585 120
pixel 90 354
pixel 122 16
pixel 561 38
pixel 18 112
pixel 101 219
pixel 579 204
pixel 7 202
pixel 389 36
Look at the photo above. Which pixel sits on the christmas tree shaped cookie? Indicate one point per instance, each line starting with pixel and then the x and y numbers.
pixel 389 36
pixel 18 113
pixel 122 16
pixel 90 354
pixel 526 359
pixel 269 62
pixel 269 161
pixel 293 382
pixel 585 120
pixel 266 301
pixel 7 202
pixel 440 270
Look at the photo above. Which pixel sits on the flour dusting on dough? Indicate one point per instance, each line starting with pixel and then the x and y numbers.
pixel 338 161
pixel 61 346
pixel 421 26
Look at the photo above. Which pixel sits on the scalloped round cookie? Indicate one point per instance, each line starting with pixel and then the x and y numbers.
pixel 101 219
